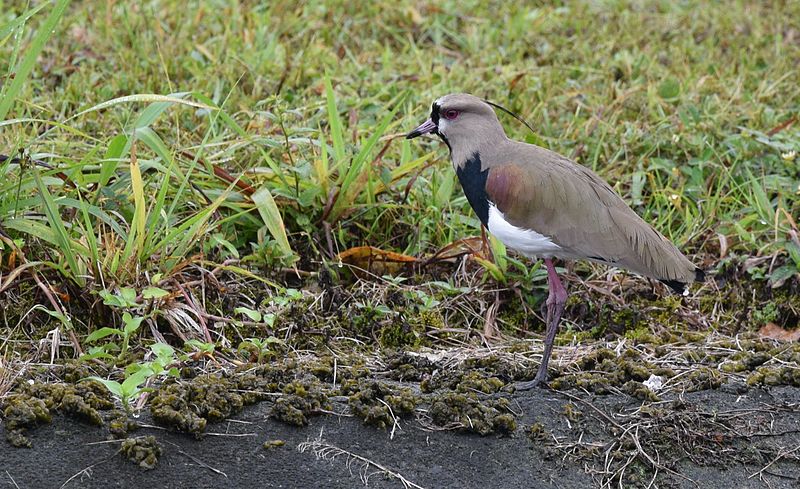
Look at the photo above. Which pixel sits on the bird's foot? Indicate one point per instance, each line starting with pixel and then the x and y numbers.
pixel 538 381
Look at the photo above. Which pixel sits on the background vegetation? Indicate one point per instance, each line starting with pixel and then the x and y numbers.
pixel 193 166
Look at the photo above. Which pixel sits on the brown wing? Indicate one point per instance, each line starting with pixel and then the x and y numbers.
pixel 540 190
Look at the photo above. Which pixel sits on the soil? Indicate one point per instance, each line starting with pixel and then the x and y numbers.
pixel 643 394
pixel 731 436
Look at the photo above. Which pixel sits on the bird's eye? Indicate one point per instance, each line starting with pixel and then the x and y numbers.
pixel 450 114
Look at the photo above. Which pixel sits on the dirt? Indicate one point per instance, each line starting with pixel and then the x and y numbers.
pixel 333 405
pixel 453 421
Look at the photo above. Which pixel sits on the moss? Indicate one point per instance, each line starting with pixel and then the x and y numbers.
pixel 463 381
pixel 500 367
pixel 704 378
pixel 273 444
pixel 756 360
pixel 143 451
pixel 188 406
pixel 22 413
pixel 571 412
pixel 400 334
pixel 774 376
pixel 459 411
pixel 430 319
pixel 404 366
pixel 537 433
pixel 121 424
pixel 603 370
pixel 733 367
pixel 284 410
pixel 377 404
pixel 73 372
pixel 76 407
pixel 639 391
pixel 323 369
pixel 33 404
pixel 302 400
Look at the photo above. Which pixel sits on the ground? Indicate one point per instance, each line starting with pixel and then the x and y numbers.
pixel 461 425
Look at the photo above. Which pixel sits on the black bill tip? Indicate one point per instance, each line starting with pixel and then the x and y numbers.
pixel 426 127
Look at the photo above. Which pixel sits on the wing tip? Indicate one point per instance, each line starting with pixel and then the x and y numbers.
pixel 683 287
pixel 676 285
pixel 699 275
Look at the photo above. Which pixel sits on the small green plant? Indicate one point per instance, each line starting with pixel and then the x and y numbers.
pixel 137 375
pixel 201 349
pixel 124 299
pixel 259 349
pixel 131 326
pixel 257 316
pixel 130 388
pixel 780 275
pixel 162 363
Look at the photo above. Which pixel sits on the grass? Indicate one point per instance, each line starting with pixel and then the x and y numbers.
pixel 173 147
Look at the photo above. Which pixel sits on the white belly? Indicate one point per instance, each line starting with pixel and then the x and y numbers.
pixel 526 241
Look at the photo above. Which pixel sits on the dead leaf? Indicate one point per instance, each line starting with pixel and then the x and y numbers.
pixel 755 261
pixel 375 260
pixel 723 245
pixel 775 332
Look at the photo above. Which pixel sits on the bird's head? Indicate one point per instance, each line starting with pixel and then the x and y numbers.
pixel 463 121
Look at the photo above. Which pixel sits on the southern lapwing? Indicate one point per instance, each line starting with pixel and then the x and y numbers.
pixel 543 205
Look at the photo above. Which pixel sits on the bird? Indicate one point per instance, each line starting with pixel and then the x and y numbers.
pixel 545 206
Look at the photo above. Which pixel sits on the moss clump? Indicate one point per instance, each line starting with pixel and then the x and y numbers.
pixel 459 411
pixel 500 367
pixel 571 412
pixel 400 334
pixel 429 319
pixel 603 370
pixel 639 391
pixel 22 413
pixel 188 406
pixel 404 366
pixel 537 433
pixel 323 369
pixel 378 404
pixel 121 424
pixel 273 444
pixel 254 384
pixel 463 381
pixel 33 404
pixel 704 378
pixel 774 376
pixel 595 358
pixel 142 450
pixel 73 372
pixel 76 407
pixel 302 399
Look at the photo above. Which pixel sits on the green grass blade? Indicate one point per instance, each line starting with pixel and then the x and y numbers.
pixel 348 191
pixel 6 29
pixel 29 60
pixel 272 218
pixel 134 245
pixel 142 97
pixel 335 124
pixel 57 225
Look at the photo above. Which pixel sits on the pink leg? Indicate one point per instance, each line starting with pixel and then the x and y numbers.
pixel 555 308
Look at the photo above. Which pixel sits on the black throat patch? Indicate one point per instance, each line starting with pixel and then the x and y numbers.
pixel 435 113
pixel 435 118
pixel 473 181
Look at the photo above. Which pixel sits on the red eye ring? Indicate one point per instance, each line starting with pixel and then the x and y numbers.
pixel 450 114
